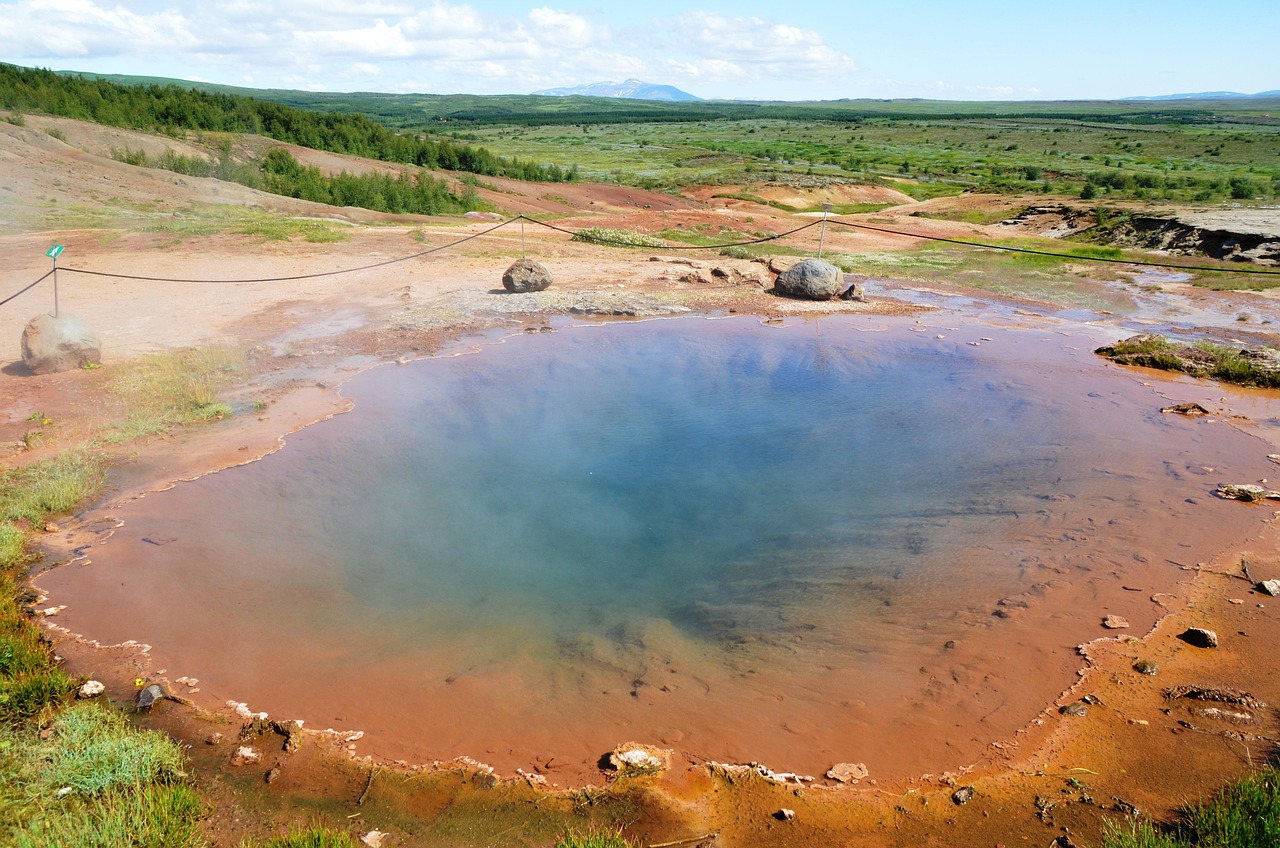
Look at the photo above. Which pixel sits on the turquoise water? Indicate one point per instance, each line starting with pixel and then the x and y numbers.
pixel 805 542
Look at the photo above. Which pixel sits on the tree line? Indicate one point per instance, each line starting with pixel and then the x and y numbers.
pixel 170 109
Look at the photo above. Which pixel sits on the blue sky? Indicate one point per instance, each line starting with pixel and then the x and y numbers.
pixel 714 49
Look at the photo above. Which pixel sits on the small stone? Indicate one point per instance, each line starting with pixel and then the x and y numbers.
pixel 634 759
pixel 1270 587
pixel 785 815
pixel 1199 637
pixel 961 796
pixel 148 697
pixel 90 689
pixel 50 527
pixel 1146 667
pixel 484 780
pixel 847 772
pixel 1115 622
pixel 373 838
pixel 1077 709
pixel 272 776
pixel 245 756
pixel 213 739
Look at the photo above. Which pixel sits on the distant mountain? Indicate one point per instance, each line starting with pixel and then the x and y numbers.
pixel 1210 95
pixel 633 89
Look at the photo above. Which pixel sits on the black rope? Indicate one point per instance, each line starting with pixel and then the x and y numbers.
pixel 621 243
pixel 27 289
pixel 384 263
pixel 1058 255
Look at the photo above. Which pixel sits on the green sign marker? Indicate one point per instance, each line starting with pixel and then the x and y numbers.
pixel 54 252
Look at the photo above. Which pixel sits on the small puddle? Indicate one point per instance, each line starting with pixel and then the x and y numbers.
pixel 836 540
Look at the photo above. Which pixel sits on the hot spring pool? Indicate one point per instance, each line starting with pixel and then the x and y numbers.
pixel 837 540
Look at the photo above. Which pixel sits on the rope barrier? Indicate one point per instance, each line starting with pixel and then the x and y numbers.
pixel 47 275
pixel 621 243
pixel 384 263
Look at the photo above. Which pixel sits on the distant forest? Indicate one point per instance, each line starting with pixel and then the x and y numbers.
pixel 171 108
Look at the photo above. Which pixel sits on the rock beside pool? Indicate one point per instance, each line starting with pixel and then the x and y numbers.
pixel 1247 492
pixel 636 759
pixel 1200 637
pixel 147 697
pixel 1115 622
pixel 1270 587
pixel 64 343
pixel 847 772
pixel 811 279
pixel 90 689
pixel 245 756
pixel 525 275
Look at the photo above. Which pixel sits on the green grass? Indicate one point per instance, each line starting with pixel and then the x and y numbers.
pixel 95 781
pixel 595 839
pixel 31 493
pixel 311 837
pixel 94 750
pixel 280 228
pixel 167 390
pixel 147 816
pixel 1244 815
pixel 1203 359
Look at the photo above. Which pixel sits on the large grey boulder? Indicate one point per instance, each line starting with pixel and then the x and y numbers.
pixel 525 275
pixel 811 279
pixel 50 344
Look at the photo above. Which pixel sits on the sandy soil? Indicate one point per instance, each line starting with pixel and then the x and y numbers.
pixel 1134 747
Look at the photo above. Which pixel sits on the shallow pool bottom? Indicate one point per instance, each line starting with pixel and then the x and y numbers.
pixel 837 540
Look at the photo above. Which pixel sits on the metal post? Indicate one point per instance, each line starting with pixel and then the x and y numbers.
pixel 822 235
pixel 55 286
pixel 522 237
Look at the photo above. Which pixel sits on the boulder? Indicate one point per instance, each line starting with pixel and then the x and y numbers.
pixel 811 279
pixel 1270 587
pixel 525 275
pixel 50 344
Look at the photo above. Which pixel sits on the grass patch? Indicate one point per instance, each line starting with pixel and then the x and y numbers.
pixel 279 228
pixel 169 390
pixel 95 750
pixel 1258 368
pixel 616 237
pixel 96 781
pixel 1244 815
pixel 594 839
pixel 32 493
pixel 970 216
pixel 147 817
pixel 311 837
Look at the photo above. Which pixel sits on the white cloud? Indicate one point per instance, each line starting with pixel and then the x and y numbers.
pixel 62 28
pixel 756 41
pixel 459 46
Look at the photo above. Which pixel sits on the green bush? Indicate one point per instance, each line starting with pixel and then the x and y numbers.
pixel 312 837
